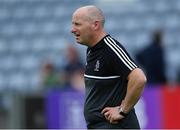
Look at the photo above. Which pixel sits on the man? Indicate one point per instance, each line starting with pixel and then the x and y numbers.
pixel 113 82
pixel 152 59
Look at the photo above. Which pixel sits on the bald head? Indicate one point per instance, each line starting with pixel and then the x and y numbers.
pixel 91 13
pixel 88 25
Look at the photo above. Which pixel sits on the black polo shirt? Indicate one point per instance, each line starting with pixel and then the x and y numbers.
pixel 108 65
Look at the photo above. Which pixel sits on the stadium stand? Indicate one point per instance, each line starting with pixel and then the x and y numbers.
pixel 33 30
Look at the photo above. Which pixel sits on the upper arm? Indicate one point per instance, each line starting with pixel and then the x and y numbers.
pixel 122 62
pixel 137 74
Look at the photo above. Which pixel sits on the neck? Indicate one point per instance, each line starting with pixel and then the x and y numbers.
pixel 97 37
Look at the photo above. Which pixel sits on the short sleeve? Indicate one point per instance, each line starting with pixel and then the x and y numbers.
pixel 122 63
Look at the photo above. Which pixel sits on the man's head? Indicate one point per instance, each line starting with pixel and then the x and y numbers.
pixel 87 25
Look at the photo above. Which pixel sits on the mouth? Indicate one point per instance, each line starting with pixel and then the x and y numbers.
pixel 77 36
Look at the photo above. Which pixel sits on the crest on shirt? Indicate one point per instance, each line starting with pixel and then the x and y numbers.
pixel 97 66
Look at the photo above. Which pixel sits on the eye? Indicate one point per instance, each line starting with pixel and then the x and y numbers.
pixel 76 23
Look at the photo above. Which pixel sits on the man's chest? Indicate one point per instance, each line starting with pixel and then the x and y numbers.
pixel 97 64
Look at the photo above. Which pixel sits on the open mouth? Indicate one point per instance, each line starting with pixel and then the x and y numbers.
pixel 77 36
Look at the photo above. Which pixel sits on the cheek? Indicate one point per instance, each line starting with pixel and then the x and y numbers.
pixel 86 31
pixel 86 35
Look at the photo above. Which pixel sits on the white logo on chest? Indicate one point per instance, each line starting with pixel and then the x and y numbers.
pixel 97 66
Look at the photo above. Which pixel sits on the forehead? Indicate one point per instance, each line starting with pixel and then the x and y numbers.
pixel 77 19
pixel 77 16
pixel 80 15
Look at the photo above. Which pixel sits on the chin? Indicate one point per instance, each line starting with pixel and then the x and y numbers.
pixel 80 42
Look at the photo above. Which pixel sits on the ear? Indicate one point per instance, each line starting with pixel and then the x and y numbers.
pixel 96 25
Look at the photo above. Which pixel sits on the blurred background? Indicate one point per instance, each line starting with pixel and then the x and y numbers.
pixel 41 66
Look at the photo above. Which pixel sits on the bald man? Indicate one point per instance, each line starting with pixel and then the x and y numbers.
pixel 113 81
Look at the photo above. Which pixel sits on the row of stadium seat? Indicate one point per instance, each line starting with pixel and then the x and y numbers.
pixel 32 31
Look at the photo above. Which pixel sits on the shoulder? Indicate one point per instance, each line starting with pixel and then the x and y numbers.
pixel 119 54
pixel 111 41
pixel 113 46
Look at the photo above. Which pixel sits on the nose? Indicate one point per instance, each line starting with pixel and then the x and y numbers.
pixel 73 30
